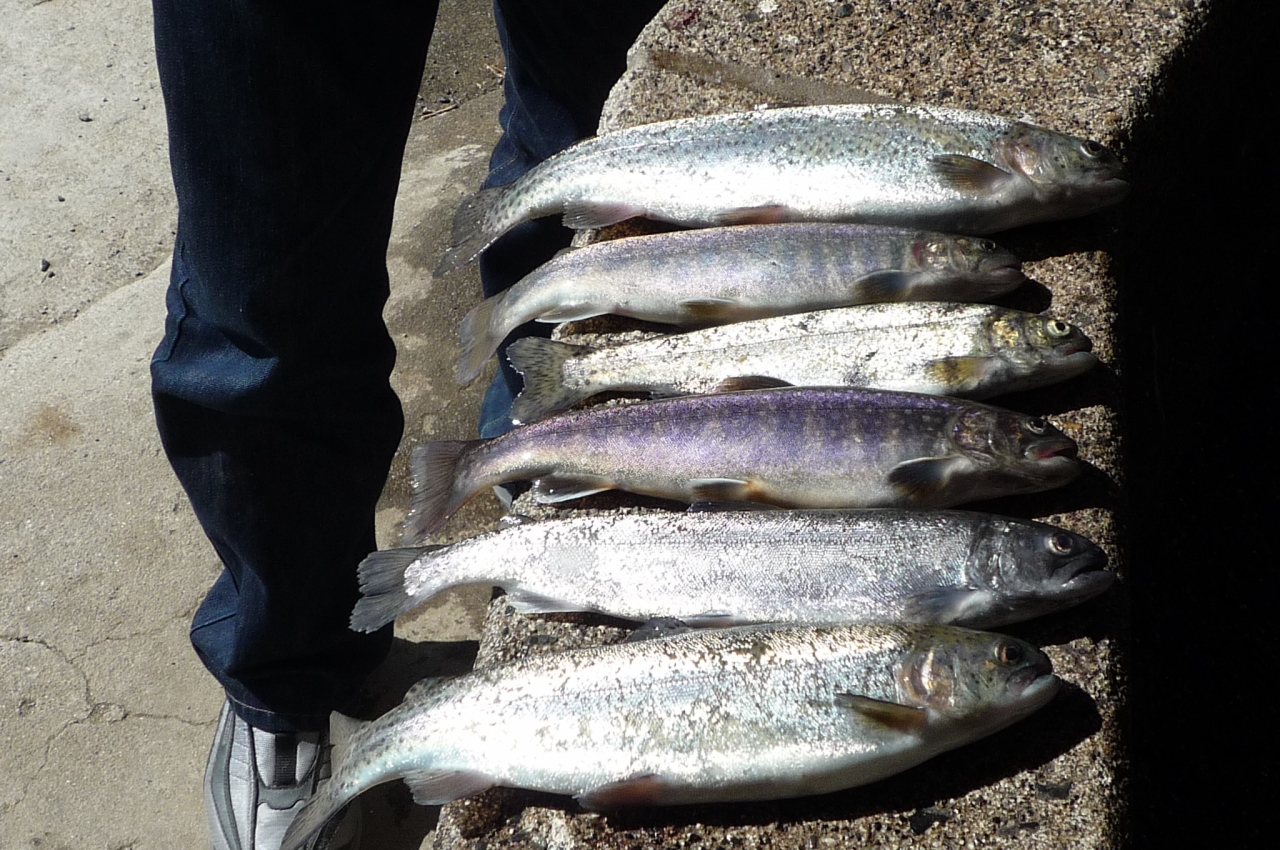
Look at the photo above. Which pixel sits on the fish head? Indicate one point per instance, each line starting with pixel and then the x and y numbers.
pixel 978 679
pixel 1045 345
pixel 1026 569
pixel 1025 454
pixel 1076 175
pixel 979 262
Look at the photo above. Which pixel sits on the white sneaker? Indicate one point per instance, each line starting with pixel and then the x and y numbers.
pixel 256 782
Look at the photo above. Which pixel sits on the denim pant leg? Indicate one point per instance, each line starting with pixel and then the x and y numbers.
pixel 562 60
pixel 287 125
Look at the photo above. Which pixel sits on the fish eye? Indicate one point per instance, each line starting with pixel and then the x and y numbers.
pixel 987 245
pixel 1008 653
pixel 1060 544
pixel 1092 148
pixel 1058 328
pixel 1036 425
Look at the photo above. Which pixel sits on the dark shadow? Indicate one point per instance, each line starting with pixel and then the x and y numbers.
pixel 1196 334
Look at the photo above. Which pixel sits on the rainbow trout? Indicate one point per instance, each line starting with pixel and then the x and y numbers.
pixel 750 713
pixel 732 274
pixel 791 447
pixel 910 166
pixel 967 350
pixel 731 567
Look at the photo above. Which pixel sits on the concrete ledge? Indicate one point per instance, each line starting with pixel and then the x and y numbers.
pixel 1059 778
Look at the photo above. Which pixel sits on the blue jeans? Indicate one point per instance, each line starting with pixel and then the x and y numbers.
pixel 287 125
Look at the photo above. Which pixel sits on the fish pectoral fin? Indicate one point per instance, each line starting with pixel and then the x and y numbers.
pixel 763 214
pixel 658 627
pixel 437 787
pixel 587 215
pixel 726 490
pixel 529 602
pixel 959 374
pixel 942 605
pixel 922 479
pixel 550 489
pixel 749 382
pixel 968 174
pixel 883 286
pixel 710 309
pixel 714 620
pixel 646 789
pixel 903 718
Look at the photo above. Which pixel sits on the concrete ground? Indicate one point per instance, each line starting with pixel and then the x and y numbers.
pixel 105 712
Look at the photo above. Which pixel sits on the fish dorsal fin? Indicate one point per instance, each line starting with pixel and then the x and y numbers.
pixel 763 214
pixel 968 174
pixel 749 382
pixel 658 627
pixel 647 789
pixel 437 787
pixel 903 718
pixel 551 489
pixel 710 309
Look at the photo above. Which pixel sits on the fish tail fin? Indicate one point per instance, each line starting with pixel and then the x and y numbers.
pixel 473 229
pixel 481 335
pixel 382 585
pixel 436 494
pixel 541 363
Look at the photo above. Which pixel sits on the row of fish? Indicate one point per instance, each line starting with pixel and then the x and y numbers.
pixel 802 700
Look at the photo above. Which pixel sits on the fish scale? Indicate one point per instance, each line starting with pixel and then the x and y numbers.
pixel 965 350
pixel 791 447
pixel 757 712
pixel 731 567
pixel 945 169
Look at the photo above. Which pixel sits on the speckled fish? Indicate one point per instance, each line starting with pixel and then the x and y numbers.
pixel 967 350
pixel 752 713
pixel 732 274
pixel 733 567
pixel 790 447
pixel 912 166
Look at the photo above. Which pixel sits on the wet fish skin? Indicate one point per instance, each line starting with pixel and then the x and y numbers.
pixel 721 568
pixel 790 447
pixel 731 274
pixel 966 350
pixel 939 168
pixel 756 712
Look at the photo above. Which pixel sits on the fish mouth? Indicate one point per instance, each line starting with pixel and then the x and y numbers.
pixel 1084 577
pixel 1036 694
pixel 1083 345
pixel 1059 447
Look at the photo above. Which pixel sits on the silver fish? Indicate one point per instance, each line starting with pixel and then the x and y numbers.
pixel 732 567
pixel 967 350
pixel 732 274
pixel 912 166
pixel 790 447
pixel 751 713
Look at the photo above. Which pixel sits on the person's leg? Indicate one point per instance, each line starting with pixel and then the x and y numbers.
pixel 287 125
pixel 562 59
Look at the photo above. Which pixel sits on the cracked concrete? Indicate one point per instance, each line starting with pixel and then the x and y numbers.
pixel 105 713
